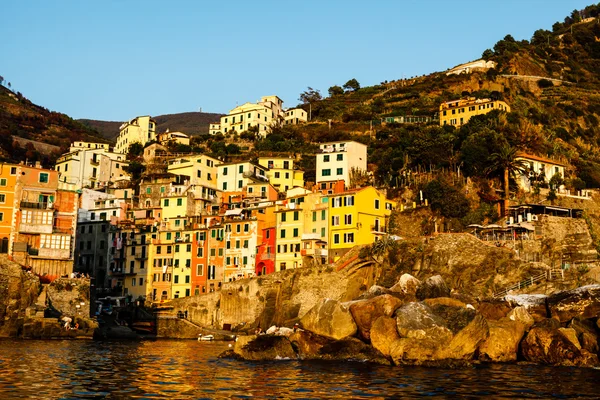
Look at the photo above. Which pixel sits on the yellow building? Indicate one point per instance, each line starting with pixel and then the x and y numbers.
pixel 161 266
pixel 173 137
pixel 289 229
pixel 282 174
pixel 316 227
pixel 182 264
pixel 138 130
pixel 295 116
pixel 135 272
pixel 458 112
pixel 357 217
pixel 266 113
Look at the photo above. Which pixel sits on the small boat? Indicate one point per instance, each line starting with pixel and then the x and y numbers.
pixel 206 338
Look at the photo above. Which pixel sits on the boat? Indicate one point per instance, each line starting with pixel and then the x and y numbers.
pixel 206 338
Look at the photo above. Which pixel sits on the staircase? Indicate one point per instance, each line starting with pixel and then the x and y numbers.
pixel 549 275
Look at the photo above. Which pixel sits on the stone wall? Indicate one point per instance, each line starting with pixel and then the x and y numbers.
pixel 18 291
pixel 66 295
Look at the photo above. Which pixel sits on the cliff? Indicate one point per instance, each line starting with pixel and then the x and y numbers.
pixel 18 291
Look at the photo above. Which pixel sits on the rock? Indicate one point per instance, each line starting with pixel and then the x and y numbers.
pixel 466 342
pixel 521 315
pixel 365 312
pixel 384 334
pixel 407 284
pixel 550 346
pixel 444 301
pixel 583 302
pixel 264 347
pixel 417 320
pixel 119 332
pixel 571 335
pixel 493 309
pixel 455 318
pixel 535 304
pixel 374 291
pixel 329 318
pixel 307 344
pixel 279 331
pixel 433 287
pixel 351 349
pixel 414 351
pixel 502 345
pixel 550 323
pixel 589 342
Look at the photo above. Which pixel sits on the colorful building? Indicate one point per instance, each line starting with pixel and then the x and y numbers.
pixel 357 217
pixel 295 116
pixel 139 130
pixel 282 173
pixel 459 112
pixel 263 115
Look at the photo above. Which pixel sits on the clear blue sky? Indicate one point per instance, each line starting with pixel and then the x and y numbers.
pixel 114 60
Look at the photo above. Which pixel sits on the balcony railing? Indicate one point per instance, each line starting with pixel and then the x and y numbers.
pixel 42 205
pixel 95 161
pixel 378 229
pixel 314 252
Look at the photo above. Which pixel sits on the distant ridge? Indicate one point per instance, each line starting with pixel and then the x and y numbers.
pixel 191 123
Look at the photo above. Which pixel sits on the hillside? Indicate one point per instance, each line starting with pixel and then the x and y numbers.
pixel 32 132
pixel 191 123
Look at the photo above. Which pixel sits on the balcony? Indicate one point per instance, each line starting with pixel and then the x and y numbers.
pixel 36 228
pixel 314 252
pixel 95 161
pixel 141 256
pixel 252 175
pixel 332 150
pixel 43 205
pixel 378 229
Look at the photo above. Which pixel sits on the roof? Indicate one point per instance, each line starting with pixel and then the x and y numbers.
pixel 538 158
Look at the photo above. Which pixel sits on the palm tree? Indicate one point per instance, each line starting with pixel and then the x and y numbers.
pixel 505 160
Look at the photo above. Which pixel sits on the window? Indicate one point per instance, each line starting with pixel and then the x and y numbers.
pixel 314 216
pixel 326 158
pixel 43 177
pixel 282 234
pixel 2 198
pixel 240 184
pixel 326 172
pixel 176 280
pixel 200 269
pixel 322 232
pixel 336 238
pixel 141 281
pixel 3 182
pixel 169 235
pixel 158 249
pixel 245 244
pixel 1 216
pixel 238 244
pixel 335 220
pixel 213 252
pixel 277 175
pixel 322 215
pixel 340 171
pixel 283 217
pixel 268 234
pixel 296 215
pixel 348 219
pixel 187 278
pixel 179 202
pixel 295 232
pixel 148 190
pixel 166 203
pixel 13 170
pixel 220 252
pixel 241 169
pixel 377 204
pixel 340 157
pixel 224 185
pixel 176 248
pixel 133 281
pixel 348 237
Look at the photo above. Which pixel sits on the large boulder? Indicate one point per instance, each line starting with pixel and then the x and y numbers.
pixel 412 351
pixel 407 284
pixel 444 301
pixel 417 320
pixel 433 287
pixel 374 291
pixel 263 347
pixel 493 309
pixel 583 302
pixel 456 317
pixel 365 312
pixel 350 349
pixel 520 314
pixel 502 345
pixel 571 335
pixel 535 304
pixel 466 342
pixel 329 318
pixel 307 344
pixel 546 345
pixel 586 333
pixel 384 334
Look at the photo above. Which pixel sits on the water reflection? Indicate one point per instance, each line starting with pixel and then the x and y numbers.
pixel 189 369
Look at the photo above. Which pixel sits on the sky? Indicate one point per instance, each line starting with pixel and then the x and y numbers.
pixel 114 60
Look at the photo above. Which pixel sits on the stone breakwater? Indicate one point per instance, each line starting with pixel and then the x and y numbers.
pixel 422 323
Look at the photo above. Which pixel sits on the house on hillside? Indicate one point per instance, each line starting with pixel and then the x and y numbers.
pixel 459 112
pixel 467 68
pixel 263 115
pixel 538 168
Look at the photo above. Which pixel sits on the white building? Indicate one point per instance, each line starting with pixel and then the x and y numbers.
pixel 234 177
pixel 538 166
pixel 139 130
pixel 264 115
pixel 335 160
pixel 295 116
pixel 91 165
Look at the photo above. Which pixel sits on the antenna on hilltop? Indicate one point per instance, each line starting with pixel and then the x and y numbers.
pixel 200 109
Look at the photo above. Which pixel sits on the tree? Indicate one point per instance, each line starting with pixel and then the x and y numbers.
pixel 352 85
pixel 135 150
pixel 487 54
pixel 310 95
pixel 506 160
pixel 335 90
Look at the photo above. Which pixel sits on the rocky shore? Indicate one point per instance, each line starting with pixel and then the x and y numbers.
pixel 423 323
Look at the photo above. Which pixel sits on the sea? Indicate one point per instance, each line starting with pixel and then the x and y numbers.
pixel 168 369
